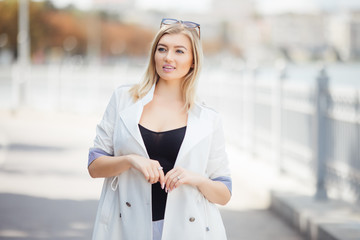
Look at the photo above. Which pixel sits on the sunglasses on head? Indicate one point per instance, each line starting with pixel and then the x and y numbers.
pixel 187 24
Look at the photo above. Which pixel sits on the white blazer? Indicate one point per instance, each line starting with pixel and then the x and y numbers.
pixel 124 210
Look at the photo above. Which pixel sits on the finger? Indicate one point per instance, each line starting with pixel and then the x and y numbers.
pixel 178 177
pixel 160 174
pixel 174 179
pixel 168 174
pixel 156 174
pixel 173 182
pixel 151 175
pixel 161 178
pixel 169 179
pixel 179 182
pixel 146 174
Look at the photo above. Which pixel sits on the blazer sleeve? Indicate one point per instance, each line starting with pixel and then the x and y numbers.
pixel 218 164
pixel 105 129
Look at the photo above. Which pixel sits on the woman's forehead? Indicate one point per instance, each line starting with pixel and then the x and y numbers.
pixel 176 39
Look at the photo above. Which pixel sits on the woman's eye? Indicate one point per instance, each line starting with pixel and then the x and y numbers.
pixel 179 51
pixel 161 49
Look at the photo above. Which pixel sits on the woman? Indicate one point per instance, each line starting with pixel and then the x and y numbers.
pixel 161 153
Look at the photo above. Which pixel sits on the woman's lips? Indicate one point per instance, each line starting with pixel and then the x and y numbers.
pixel 168 68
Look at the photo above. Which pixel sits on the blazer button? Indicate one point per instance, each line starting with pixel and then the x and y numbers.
pixel 192 219
pixel 128 204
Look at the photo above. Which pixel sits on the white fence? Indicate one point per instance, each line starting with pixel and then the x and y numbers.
pixel 311 131
pixel 78 89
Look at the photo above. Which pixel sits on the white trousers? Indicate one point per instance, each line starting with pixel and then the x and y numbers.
pixel 157 229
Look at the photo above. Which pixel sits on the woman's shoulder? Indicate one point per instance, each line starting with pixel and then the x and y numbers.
pixel 208 110
pixel 204 106
pixel 123 92
pixel 123 89
pixel 121 96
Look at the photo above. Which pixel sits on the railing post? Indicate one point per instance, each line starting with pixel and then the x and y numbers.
pixel 357 124
pixel 278 115
pixel 243 86
pixel 245 113
pixel 252 114
pixel 321 123
pixel 248 109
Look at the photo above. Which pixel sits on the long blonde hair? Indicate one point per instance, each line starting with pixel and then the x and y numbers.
pixel 189 84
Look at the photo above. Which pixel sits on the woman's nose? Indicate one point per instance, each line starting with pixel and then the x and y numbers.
pixel 168 56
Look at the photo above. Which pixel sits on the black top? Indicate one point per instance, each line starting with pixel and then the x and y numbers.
pixel 163 147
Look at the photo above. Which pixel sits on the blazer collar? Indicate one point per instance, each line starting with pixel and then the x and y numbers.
pixel 196 128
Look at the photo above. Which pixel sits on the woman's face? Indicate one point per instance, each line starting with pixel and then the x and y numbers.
pixel 173 57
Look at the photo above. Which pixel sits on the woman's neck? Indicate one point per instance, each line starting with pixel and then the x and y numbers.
pixel 170 90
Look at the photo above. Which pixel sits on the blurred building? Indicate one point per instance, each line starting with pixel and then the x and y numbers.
pixel 344 34
pixel 298 36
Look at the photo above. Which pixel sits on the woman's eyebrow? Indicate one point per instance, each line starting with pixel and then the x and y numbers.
pixel 178 46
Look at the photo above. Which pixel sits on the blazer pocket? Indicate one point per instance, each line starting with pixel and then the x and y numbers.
pixel 108 201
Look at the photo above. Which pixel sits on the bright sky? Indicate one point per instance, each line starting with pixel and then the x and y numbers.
pixel 82 4
pixel 286 5
pixel 196 5
pixel 185 5
pixel 266 6
pixel 276 6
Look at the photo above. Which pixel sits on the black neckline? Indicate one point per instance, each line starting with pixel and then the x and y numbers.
pixel 171 130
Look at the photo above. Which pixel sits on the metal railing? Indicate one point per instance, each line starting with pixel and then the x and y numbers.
pixel 311 131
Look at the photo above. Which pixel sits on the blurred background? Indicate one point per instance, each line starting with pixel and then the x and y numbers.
pixel 284 74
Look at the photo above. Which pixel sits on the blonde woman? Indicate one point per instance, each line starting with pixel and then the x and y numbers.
pixel 161 153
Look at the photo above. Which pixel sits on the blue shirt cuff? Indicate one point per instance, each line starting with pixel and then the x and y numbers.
pixel 225 180
pixel 95 153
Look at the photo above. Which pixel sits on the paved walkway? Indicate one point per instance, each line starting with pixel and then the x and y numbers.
pixel 46 193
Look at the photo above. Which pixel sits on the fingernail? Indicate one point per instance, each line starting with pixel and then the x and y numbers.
pixel 166 190
pixel 163 185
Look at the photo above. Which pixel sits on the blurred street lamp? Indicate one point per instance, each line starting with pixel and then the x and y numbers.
pixel 23 35
pixel 20 71
pixel 94 38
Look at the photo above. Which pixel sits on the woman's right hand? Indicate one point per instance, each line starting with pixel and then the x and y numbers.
pixel 151 169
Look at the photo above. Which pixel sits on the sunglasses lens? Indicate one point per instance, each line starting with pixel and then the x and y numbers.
pixel 191 24
pixel 168 21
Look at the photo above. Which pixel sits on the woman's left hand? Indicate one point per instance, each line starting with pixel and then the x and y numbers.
pixel 178 176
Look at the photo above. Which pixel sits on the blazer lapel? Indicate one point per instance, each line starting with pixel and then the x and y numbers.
pixel 132 114
pixel 196 130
